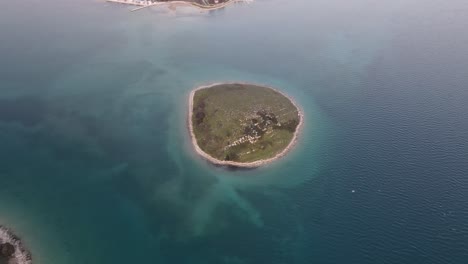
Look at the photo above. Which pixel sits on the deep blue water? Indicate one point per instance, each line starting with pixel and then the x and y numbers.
pixel 96 165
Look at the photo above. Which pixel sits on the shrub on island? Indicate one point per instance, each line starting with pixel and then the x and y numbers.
pixel 7 250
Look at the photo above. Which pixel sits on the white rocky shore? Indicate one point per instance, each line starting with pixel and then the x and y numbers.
pixel 12 249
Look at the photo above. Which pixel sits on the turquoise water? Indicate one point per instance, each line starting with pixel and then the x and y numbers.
pixel 96 165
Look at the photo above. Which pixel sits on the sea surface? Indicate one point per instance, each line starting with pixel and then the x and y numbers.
pixel 96 165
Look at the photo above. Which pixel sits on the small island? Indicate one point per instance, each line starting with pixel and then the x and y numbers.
pixel 12 250
pixel 242 125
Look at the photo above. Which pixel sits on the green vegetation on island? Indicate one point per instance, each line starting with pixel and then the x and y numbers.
pixel 243 123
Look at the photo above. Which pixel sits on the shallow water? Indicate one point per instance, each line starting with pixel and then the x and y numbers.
pixel 96 165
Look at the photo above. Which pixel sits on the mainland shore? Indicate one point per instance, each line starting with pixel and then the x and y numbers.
pixel 253 164
pixel 172 4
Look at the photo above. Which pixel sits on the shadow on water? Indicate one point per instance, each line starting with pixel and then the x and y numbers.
pixel 232 168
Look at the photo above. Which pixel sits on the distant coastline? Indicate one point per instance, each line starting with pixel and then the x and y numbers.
pixel 201 4
pixel 21 254
pixel 253 164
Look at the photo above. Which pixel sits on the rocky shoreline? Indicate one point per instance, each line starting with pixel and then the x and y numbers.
pixel 234 164
pixel 12 249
